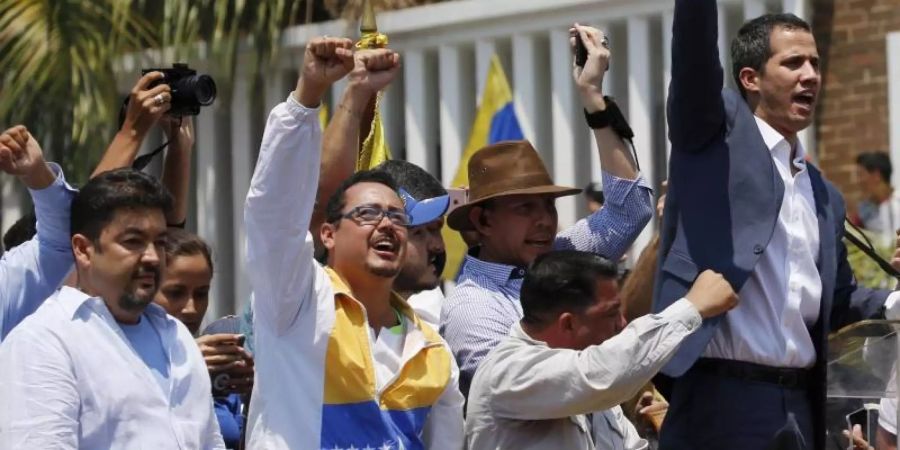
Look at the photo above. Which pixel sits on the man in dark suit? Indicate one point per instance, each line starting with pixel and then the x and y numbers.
pixel 744 202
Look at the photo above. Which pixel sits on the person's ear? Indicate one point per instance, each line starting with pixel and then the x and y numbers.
pixel 749 79
pixel 82 249
pixel 479 217
pixel 326 234
pixel 566 324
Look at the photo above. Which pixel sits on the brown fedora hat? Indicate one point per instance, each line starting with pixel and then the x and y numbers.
pixel 501 169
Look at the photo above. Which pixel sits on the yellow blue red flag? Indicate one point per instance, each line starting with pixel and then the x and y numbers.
pixel 495 121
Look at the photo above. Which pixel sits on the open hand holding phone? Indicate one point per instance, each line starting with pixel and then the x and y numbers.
pixel 230 365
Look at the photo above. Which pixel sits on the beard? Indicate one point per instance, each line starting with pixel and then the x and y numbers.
pixel 132 301
pixel 421 278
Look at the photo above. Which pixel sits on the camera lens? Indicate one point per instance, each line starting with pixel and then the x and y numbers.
pixel 204 89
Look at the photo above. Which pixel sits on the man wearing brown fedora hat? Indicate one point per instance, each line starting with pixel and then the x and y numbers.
pixel 512 208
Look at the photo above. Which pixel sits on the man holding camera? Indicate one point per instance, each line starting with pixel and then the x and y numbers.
pixel 362 369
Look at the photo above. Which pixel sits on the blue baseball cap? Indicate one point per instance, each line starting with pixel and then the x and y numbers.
pixel 424 211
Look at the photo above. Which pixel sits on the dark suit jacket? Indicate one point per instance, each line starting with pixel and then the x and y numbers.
pixel 725 195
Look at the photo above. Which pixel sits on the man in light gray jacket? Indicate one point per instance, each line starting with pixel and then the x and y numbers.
pixel 572 355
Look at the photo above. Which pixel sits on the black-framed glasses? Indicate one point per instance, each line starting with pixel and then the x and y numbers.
pixel 372 215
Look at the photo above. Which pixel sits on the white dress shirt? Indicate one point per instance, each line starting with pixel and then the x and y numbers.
pixel 783 294
pixel 71 380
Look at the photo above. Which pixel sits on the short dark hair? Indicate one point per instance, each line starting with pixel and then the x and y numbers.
pixel 95 205
pixel 876 162
pixel 564 280
pixel 337 201
pixel 752 46
pixel 413 179
pixel 184 243
pixel 594 192
pixel 20 232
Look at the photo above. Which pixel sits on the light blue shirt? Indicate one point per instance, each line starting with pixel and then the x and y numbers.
pixel 31 272
pixel 483 307
pixel 146 342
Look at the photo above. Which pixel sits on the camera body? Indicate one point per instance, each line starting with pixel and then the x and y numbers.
pixel 190 91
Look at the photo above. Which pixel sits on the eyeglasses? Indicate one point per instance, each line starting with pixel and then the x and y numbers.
pixel 372 215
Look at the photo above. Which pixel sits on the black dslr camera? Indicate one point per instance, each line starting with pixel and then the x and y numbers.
pixel 189 90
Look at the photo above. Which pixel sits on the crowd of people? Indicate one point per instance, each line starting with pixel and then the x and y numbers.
pixel 715 340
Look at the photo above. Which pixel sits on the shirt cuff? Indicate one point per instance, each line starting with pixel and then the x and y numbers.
pixel 616 189
pixel 299 111
pixel 892 306
pixel 57 195
pixel 685 312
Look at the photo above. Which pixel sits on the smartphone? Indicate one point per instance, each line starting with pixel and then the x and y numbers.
pixel 581 53
pixel 867 418
pixel 458 197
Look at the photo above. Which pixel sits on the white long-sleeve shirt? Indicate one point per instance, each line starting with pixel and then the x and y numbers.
pixel 70 379
pixel 301 321
pixel 526 395
pixel 781 298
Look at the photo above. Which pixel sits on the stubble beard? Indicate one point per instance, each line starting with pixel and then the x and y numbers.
pixel 131 301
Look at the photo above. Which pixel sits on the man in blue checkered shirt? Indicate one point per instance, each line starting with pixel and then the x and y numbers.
pixel 512 207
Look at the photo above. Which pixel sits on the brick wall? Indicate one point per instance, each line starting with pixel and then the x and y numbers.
pixel 853 109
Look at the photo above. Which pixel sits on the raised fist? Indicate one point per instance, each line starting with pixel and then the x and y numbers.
pixel 21 155
pixel 374 69
pixel 712 294
pixel 327 60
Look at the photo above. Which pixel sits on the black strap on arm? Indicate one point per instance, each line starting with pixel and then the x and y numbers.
pixel 612 117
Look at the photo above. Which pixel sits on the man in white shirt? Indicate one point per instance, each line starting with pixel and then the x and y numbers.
pixel 743 201
pixel 101 366
pixel 341 360
pixel 569 356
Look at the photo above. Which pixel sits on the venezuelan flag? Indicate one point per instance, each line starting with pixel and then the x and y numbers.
pixel 495 121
